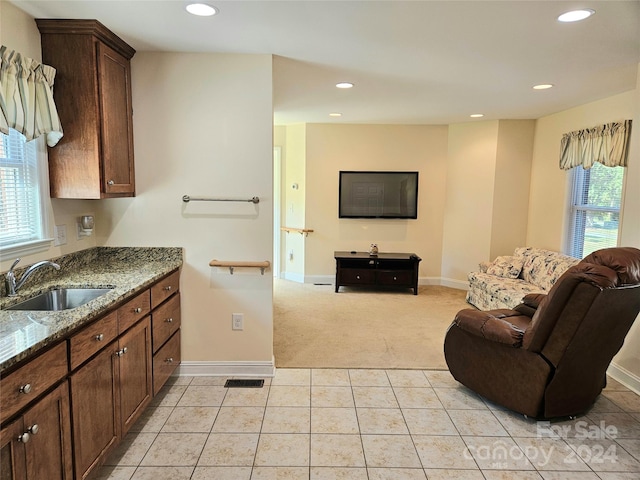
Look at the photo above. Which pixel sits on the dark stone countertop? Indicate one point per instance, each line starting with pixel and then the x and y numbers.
pixel 127 270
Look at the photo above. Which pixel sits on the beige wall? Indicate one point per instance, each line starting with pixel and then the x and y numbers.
pixel 550 190
pixel 202 127
pixel 331 148
pixel 18 31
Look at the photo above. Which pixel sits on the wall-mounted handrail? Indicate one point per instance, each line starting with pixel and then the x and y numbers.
pixel 237 263
pixel 301 231
pixel 188 198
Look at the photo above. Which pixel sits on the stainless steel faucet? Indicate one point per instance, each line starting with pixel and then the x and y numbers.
pixel 13 286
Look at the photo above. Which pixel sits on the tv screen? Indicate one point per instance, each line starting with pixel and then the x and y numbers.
pixel 378 195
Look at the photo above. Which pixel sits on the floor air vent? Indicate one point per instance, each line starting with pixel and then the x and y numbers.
pixel 243 383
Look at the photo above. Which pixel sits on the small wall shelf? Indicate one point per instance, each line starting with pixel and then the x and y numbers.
pixel 301 231
pixel 233 264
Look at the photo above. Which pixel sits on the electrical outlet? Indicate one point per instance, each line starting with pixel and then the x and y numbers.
pixel 237 321
pixel 59 235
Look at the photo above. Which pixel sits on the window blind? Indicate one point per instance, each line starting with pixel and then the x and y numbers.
pixel 595 219
pixel 20 216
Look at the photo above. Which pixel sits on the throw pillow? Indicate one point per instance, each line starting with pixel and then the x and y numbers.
pixel 506 266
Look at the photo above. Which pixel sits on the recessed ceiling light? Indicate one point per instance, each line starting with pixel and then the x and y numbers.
pixel 336 114
pixel 576 15
pixel 477 115
pixel 201 9
pixel 344 85
pixel 543 86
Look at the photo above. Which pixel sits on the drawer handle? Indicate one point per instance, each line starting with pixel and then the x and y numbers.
pixel 100 337
pixel 169 360
pixel 137 310
pixel 24 438
pixel 169 320
pixel 33 429
pixel 25 389
pixel 167 288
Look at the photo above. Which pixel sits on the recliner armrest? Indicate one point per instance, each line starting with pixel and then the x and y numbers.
pixel 492 325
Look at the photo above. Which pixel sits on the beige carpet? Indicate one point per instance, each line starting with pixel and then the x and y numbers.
pixel 314 327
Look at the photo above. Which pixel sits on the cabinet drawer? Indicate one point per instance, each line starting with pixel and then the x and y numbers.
pixel 133 310
pixel 357 276
pixel 92 339
pixel 165 321
pixel 166 361
pixel 165 288
pixel 395 277
pixel 25 384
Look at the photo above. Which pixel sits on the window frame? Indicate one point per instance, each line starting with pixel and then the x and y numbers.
pixel 45 241
pixel 576 189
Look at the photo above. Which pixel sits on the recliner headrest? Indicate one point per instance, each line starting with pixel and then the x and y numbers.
pixel 625 261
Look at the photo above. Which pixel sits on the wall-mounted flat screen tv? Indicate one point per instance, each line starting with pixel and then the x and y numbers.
pixel 378 195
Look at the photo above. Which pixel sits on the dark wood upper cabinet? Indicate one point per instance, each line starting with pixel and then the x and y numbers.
pixel 92 91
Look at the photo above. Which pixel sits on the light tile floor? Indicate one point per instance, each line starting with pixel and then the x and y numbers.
pixel 326 424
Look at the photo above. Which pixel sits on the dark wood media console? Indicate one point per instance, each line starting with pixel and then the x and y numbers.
pixel 383 269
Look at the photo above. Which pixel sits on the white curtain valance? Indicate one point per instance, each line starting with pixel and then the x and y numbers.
pixel 607 144
pixel 26 97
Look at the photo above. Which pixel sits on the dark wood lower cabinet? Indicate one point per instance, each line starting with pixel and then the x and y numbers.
pixel 38 444
pixel 95 407
pixel 135 373
pixel 89 389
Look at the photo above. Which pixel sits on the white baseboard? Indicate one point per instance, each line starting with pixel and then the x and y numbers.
pixel 293 277
pixel 451 283
pixel 226 369
pixel 320 279
pixel 625 377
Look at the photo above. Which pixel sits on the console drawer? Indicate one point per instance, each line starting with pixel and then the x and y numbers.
pixel 395 277
pixel 28 382
pixel 356 276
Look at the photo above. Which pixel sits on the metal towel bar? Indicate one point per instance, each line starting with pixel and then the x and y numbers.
pixel 187 198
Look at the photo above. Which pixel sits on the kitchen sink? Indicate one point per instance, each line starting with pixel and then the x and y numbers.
pixel 60 299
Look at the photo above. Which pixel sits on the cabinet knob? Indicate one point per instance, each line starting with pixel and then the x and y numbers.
pixel 169 360
pixel 24 438
pixel 167 288
pixel 395 278
pixel 121 352
pixel 25 388
pixel 100 337
pixel 111 182
pixel 137 310
pixel 33 429
pixel 358 277
pixel 169 320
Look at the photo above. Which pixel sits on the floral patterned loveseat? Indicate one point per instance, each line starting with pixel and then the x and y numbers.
pixel 503 282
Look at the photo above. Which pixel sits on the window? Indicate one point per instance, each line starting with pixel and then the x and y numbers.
pixel 595 209
pixel 22 226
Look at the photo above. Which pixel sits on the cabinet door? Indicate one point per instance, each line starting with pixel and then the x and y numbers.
pixel 135 372
pixel 95 410
pixel 48 452
pixel 12 453
pixel 117 130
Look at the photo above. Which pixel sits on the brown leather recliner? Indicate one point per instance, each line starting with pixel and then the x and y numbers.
pixel 548 357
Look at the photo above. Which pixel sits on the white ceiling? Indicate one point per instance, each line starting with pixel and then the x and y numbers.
pixel 415 62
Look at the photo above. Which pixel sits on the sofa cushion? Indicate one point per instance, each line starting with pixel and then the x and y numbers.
pixel 506 266
pixel 488 292
pixel 544 267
